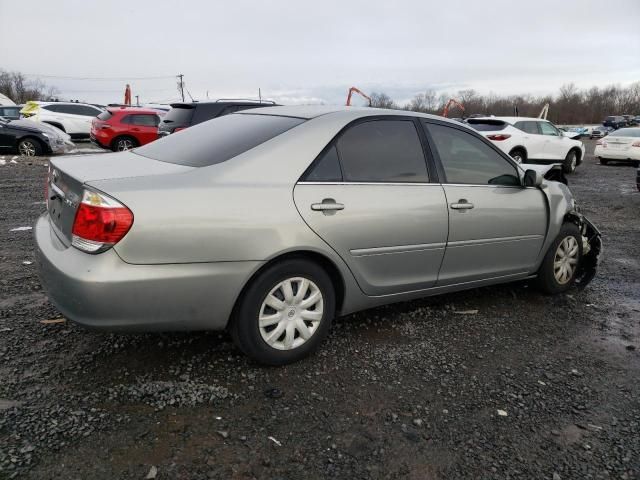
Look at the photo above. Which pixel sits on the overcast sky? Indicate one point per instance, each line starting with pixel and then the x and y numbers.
pixel 313 51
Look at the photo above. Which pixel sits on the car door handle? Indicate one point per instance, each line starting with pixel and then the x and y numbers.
pixel 327 205
pixel 462 205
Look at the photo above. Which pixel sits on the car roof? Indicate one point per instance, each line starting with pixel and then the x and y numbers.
pixel 132 110
pixel 511 120
pixel 312 111
pixel 221 103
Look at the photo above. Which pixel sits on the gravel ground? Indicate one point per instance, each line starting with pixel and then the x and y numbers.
pixel 527 387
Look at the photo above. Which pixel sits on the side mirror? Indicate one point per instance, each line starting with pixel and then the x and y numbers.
pixel 532 179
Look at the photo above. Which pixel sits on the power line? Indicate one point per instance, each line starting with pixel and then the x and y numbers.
pixel 121 79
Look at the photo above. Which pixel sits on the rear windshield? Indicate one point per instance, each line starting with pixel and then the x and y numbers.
pixel 179 114
pixel 486 125
pixel 217 140
pixel 106 115
pixel 626 132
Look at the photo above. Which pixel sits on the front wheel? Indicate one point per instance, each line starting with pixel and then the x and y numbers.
pixel 570 162
pixel 29 147
pixel 558 270
pixel 285 313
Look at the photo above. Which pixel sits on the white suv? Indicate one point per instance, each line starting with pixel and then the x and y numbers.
pixel 72 118
pixel 531 140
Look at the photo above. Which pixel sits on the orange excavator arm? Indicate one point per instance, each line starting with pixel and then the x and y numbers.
pixel 353 90
pixel 450 103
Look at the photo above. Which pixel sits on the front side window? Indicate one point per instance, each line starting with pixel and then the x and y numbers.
pixel 382 151
pixel 468 160
pixel 547 129
pixel 144 120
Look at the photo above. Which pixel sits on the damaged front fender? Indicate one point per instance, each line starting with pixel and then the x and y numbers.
pixel 591 248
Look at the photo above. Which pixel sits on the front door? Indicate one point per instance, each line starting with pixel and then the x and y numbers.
pixel 369 197
pixel 496 226
pixel 556 144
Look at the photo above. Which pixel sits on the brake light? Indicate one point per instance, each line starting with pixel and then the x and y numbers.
pixel 100 222
pixel 499 136
pixel 177 129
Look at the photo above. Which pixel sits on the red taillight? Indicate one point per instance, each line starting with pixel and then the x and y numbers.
pixel 177 129
pixel 499 136
pixel 100 222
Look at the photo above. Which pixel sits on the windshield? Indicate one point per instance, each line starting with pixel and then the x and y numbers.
pixel 626 132
pixel 217 140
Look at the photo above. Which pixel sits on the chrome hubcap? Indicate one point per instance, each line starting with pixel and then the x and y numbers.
pixel 28 149
pixel 124 145
pixel 291 313
pixel 565 260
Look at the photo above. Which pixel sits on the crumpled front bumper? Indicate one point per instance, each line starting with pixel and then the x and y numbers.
pixel 591 251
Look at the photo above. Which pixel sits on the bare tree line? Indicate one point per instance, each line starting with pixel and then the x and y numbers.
pixel 570 106
pixel 18 88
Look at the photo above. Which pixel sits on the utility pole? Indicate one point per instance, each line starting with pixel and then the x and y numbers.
pixel 181 86
pixel 137 100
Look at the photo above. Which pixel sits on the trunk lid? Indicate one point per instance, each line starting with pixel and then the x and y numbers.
pixel 69 175
pixel 619 143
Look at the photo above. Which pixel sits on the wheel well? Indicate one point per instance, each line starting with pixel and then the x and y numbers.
pixel 578 155
pixel 318 258
pixel 519 148
pixel 29 137
pixel 115 139
pixel 57 125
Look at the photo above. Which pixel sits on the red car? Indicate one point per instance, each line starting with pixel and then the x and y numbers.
pixel 123 128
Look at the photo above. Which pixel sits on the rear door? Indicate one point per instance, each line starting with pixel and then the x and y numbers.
pixel 496 226
pixel 145 127
pixel 534 141
pixel 556 145
pixel 369 196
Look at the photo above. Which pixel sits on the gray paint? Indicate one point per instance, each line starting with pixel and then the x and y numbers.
pixel 199 235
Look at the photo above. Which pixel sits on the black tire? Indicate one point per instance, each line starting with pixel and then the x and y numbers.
pixel 604 161
pixel 570 162
pixel 518 153
pixel 123 143
pixel 244 327
pixel 547 280
pixel 636 164
pixel 30 147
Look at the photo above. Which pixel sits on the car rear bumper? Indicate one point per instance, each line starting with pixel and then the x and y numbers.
pixel 623 155
pixel 104 292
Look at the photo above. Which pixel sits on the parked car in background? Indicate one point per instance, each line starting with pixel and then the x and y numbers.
pixel 184 115
pixel 623 145
pixel 273 221
pixel 10 112
pixel 124 128
pixel 615 122
pixel 531 140
pixel 630 119
pixel 578 132
pixel 32 139
pixel 70 117
pixel 600 132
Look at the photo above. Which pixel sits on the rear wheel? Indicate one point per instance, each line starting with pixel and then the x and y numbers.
pixel 558 270
pixel 122 144
pixel 570 162
pixel 30 147
pixel 519 155
pixel 285 313
pixel 604 161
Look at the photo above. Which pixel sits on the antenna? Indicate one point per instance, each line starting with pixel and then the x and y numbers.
pixel 260 95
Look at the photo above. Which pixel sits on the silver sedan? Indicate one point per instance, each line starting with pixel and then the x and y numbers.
pixel 270 222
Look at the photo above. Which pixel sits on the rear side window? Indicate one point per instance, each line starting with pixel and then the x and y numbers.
pixel 207 111
pixel 180 115
pixel 218 140
pixel 382 151
pixel 326 168
pixel 528 127
pixel 106 115
pixel 468 160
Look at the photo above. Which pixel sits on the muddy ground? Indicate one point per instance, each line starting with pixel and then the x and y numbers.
pixel 528 387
